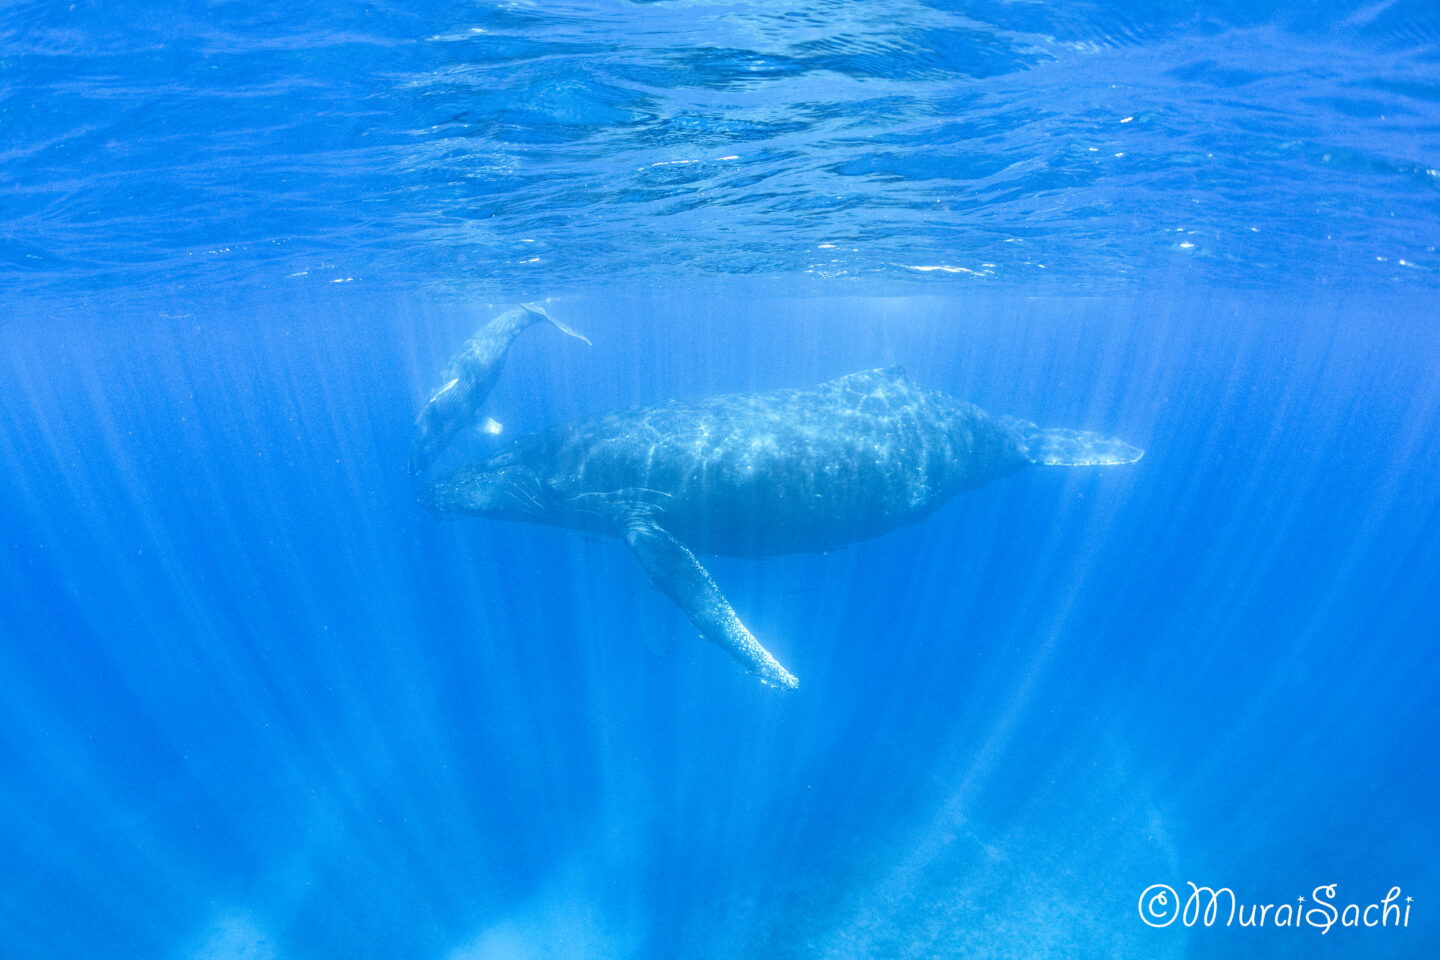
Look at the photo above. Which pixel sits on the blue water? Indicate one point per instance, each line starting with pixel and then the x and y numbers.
pixel 256 703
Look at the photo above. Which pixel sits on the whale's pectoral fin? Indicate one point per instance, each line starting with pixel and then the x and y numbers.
pixel 1059 447
pixel 675 572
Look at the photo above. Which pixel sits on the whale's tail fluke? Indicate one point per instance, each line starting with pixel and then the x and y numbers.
pixel 1059 447
pixel 538 307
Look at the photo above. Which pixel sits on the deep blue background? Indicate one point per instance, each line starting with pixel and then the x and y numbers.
pixel 254 702
pixel 251 687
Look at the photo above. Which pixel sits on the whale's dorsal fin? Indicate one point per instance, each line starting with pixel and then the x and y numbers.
pixel 674 571
pixel 892 373
pixel 868 380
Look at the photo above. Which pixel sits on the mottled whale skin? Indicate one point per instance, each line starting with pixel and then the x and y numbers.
pixel 755 475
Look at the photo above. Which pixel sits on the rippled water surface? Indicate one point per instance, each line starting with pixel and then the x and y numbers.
pixel 521 145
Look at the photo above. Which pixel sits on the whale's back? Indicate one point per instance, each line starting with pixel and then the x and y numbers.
pixel 790 470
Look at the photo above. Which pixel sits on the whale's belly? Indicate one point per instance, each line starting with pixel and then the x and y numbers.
pixel 793 471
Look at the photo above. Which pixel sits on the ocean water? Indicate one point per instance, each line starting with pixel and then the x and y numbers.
pixel 256 703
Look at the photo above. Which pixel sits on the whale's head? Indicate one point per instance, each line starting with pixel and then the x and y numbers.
pixel 502 488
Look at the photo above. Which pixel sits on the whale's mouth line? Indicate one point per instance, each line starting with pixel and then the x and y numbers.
pixel 512 492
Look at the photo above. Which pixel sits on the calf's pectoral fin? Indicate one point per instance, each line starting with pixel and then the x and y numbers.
pixel 676 573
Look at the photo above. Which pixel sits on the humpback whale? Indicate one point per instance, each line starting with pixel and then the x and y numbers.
pixel 753 475
pixel 468 379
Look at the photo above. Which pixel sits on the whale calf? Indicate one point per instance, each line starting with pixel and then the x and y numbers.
pixel 467 381
pixel 754 475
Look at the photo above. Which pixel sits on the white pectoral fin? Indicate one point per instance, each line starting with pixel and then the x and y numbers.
pixel 674 571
